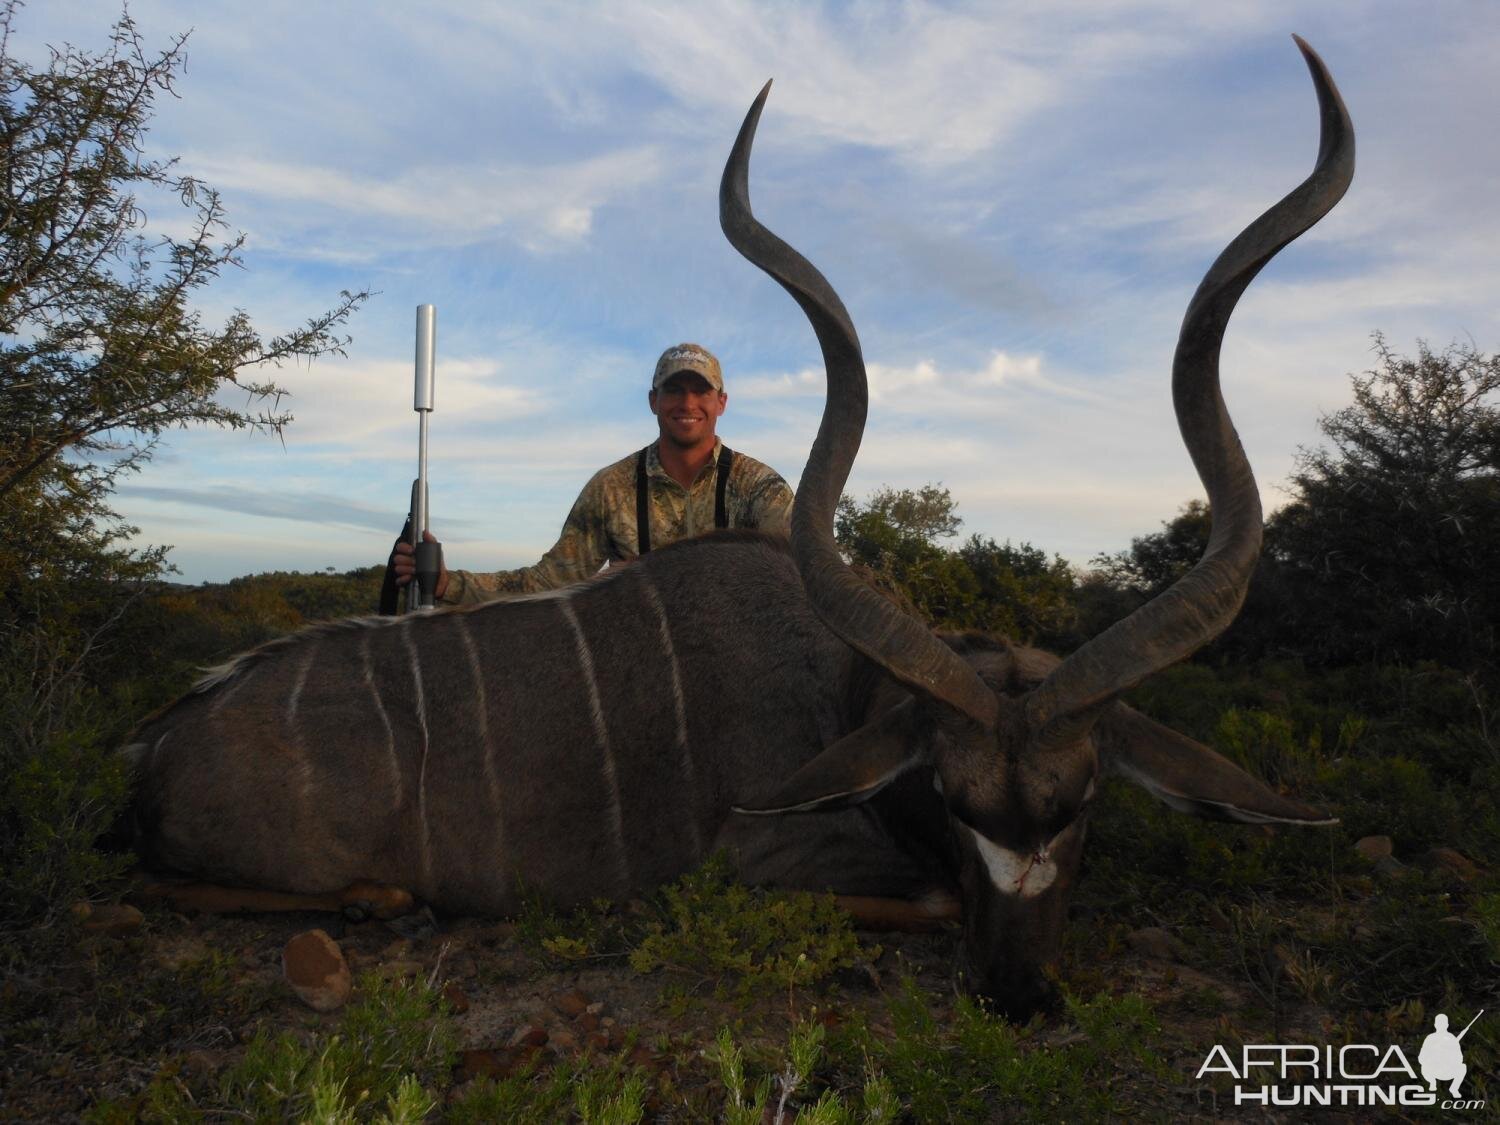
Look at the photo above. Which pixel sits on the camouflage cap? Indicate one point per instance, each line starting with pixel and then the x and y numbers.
pixel 688 357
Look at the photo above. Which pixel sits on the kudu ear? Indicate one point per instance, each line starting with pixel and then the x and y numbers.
pixel 853 769
pixel 1189 776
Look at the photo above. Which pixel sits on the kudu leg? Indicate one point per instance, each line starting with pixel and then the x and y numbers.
pixel 931 912
pixel 375 900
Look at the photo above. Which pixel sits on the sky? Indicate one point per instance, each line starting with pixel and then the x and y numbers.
pixel 1014 200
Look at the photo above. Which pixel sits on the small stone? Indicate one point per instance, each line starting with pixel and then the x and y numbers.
pixel 314 966
pixel 596 1008
pixel 563 1041
pixel 571 1003
pixel 496 933
pixel 529 1035
pixel 458 1003
pixel 199 1063
pixel 597 1041
pixel 480 1062
pixel 419 925
pixel 587 1022
pixel 81 912
pixel 502 1062
pixel 1156 943
pixel 1450 859
pixel 1374 848
pixel 607 1022
pixel 1223 994
pixel 113 919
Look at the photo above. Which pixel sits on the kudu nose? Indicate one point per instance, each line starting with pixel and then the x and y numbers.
pixel 1017 993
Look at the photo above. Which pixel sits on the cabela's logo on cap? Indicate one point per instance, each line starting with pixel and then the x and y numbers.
pixel 688 357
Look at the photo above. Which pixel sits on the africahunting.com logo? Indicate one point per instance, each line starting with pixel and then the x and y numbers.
pixel 1355 1074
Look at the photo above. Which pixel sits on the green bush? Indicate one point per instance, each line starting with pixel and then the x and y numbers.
pixel 595 1091
pixel 973 1066
pixel 751 941
pixel 392 1048
pixel 54 806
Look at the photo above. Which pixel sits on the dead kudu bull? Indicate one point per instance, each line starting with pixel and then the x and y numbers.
pixel 602 739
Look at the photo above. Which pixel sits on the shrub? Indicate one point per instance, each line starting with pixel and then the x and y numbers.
pixel 716 929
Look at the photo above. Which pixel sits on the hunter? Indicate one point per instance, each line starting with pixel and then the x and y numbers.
pixel 684 483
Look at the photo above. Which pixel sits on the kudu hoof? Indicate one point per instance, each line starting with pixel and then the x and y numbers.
pixel 375 900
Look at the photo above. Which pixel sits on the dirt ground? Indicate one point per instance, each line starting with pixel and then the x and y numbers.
pixel 513 1009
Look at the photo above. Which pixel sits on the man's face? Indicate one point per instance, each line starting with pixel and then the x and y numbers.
pixel 687 408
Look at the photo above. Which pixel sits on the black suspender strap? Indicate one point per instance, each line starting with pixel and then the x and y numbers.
pixel 642 504
pixel 721 487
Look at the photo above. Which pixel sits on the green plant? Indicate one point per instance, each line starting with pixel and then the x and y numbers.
pixel 390 1046
pixel 776 1095
pixel 1486 912
pixel 53 808
pixel 1268 746
pixel 559 938
pixel 974 1066
pixel 594 1092
pixel 717 929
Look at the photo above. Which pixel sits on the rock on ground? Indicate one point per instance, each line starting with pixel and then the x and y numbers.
pixel 314 967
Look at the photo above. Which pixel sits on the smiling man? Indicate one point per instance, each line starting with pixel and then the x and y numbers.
pixel 684 483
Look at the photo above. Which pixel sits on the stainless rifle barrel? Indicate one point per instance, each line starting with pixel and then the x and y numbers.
pixel 421 593
pixel 422 404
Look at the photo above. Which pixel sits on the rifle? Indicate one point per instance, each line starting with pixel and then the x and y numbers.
pixel 420 594
pixel 1468 1025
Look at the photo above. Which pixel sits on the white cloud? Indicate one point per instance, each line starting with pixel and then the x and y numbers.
pixel 363 407
pixel 543 208
pixel 922 388
pixel 935 84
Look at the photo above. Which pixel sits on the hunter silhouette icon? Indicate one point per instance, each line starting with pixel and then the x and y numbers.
pixel 1441 1058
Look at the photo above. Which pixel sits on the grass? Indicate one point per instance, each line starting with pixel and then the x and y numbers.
pixel 585 1089
pixel 391 1049
pixel 914 1060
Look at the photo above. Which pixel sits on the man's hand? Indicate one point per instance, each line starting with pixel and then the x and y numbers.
pixel 405 566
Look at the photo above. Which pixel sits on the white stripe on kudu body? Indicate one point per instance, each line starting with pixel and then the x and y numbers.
pixel 398 784
pixel 294 737
pixel 423 844
pixel 487 751
pixel 601 734
pixel 1024 874
pixel 225 694
pixel 688 774
pixel 156 746
pixel 297 684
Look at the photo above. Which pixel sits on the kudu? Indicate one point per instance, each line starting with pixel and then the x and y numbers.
pixel 599 740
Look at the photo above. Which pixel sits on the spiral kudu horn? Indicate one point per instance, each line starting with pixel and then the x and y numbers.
pixel 866 621
pixel 1201 604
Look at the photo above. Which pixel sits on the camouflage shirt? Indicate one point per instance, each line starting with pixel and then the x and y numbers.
pixel 601 527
